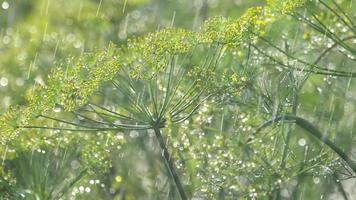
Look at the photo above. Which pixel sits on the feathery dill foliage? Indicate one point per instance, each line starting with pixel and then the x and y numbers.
pixel 76 79
pixel 70 85
pixel 151 73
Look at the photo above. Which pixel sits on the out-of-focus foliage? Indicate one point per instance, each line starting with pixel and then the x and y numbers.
pixel 89 130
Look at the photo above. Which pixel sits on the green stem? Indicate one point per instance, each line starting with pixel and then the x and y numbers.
pixel 310 128
pixel 64 190
pixel 289 133
pixel 341 188
pixel 170 165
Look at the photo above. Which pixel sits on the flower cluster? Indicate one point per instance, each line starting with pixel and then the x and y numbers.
pixel 236 32
pixel 285 6
pixel 73 83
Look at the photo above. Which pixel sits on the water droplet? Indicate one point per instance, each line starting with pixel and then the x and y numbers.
pixel 302 142
pixel 5 5
pixel 57 109
pixel 118 179
pixel 81 189
pixel 134 134
pixel 120 135
pixel 6 39
pixel 316 180
pixel 75 164
pixel 87 189
pixel 4 81
pixel 77 44
pixel 19 82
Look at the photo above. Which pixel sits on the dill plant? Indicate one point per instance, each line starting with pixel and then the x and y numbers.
pixel 159 81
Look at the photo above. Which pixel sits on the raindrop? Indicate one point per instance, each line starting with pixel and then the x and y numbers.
pixel 173 18
pixel 57 109
pixel 75 164
pixel 98 9
pixel 5 5
pixel 6 39
pixel 81 189
pixel 120 136
pixel 77 44
pixel 134 134
pixel 87 189
pixel 4 81
pixel 118 179
pixel 39 80
pixel 302 142
pixel 124 7
pixel 75 190
pixel 316 180
pixel 19 82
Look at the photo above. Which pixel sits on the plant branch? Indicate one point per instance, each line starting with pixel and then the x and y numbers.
pixel 64 190
pixel 170 165
pixel 341 187
pixel 310 128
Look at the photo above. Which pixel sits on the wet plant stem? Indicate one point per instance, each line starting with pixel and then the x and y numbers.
pixel 312 130
pixel 288 135
pixel 340 187
pixel 170 165
pixel 290 129
pixel 64 190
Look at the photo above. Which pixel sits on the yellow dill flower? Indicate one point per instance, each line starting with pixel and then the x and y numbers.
pixel 285 6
